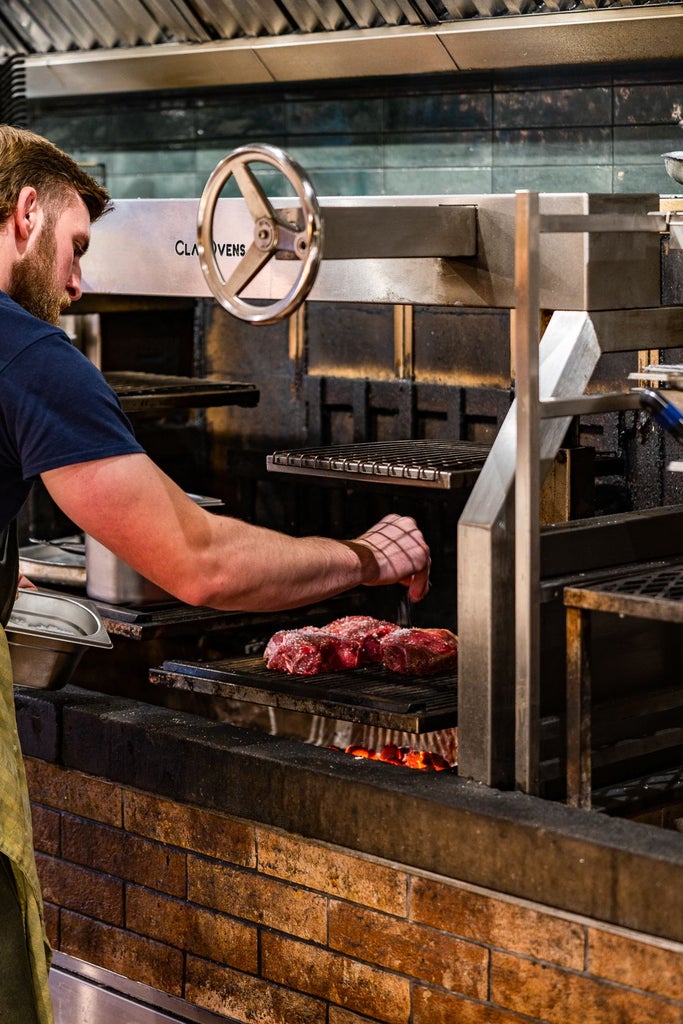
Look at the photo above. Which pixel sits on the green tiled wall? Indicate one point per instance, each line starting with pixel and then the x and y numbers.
pixel 597 131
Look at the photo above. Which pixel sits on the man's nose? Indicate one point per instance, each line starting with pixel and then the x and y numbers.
pixel 73 285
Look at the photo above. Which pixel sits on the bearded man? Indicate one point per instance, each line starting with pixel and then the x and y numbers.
pixel 62 423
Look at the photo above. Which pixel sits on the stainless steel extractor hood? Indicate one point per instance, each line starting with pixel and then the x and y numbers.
pixel 73 47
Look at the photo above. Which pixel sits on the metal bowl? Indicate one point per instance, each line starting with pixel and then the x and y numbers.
pixel 48 634
pixel 673 163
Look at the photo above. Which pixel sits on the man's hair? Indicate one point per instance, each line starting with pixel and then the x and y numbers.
pixel 29 159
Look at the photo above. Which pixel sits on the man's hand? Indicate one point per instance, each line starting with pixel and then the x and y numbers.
pixel 400 554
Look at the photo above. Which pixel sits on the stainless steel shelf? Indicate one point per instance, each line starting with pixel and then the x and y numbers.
pixel 422 463
pixel 152 393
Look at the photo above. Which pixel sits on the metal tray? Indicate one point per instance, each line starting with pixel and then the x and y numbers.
pixel 47 635
pixel 50 563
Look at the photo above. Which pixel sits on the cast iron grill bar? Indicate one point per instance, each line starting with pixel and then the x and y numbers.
pixel 427 463
pixel 151 392
pixel 655 594
pixel 369 696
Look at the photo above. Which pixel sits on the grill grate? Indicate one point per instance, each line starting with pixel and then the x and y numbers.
pixel 371 695
pixel 152 392
pixel 654 594
pixel 443 464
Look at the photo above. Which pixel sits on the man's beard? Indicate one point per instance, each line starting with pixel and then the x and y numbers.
pixel 32 280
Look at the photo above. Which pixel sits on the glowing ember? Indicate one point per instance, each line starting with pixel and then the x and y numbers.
pixel 423 760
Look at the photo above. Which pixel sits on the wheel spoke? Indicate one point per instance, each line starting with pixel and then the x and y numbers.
pixel 254 196
pixel 247 269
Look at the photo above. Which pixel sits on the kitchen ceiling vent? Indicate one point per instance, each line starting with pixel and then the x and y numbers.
pixel 77 46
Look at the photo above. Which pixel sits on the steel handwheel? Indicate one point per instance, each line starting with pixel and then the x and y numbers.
pixel 273 234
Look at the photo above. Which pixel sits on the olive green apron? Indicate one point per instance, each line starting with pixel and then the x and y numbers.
pixel 19 877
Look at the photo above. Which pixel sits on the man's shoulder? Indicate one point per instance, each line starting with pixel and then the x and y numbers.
pixel 19 329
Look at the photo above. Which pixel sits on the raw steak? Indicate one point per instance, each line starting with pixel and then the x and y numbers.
pixel 367 631
pixel 420 652
pixel 310 652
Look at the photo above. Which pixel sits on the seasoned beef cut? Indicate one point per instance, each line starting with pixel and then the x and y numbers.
pixel 367 631
pixel 310 652
pixel 420 652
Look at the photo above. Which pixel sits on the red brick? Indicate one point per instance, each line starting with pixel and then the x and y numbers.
pixel 205 933
pixel 245 998
pixel 564 997
pixel 339 979
pixel 655 966
pixel 191 828
pixel 338 1015
pixel 52 923
pixel 124 856
pixel 73 791
pixel 327 869
pixel 136 958
pixel 76 888
pixel 506 924
pixel 431 1007
pixel 46 829
pixel 420 952
pixel 257 898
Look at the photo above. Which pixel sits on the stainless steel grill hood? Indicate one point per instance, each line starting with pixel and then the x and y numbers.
pixel 105 46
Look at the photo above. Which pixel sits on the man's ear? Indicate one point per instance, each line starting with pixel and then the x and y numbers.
pixel 26 212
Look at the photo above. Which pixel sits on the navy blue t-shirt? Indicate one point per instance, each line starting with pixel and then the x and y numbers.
pixel 56 408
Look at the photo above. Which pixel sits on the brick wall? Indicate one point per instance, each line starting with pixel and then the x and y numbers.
pixel 260 925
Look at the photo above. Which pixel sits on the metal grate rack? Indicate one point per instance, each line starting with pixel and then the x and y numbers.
pixel 441 464
pixel 371 695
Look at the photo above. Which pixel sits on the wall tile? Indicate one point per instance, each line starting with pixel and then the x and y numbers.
pixel 531 108
pixel 432 956
pixel 553 178
pixel 451 181
pixel 59 788
pixel 134 957
pixel 335 151
pixel 652 966
pixel 438 149
pixel 507 924
pixel 557 147
pixel 436 111
pixel 330 870
pixel 76 888
pixel 644 178
pixel 348 183
pixel 152 186
pixel 262 900
pixel 248 118
pixel 433 1007
pixel 190 828
pixel 194 930
pixel 242 997
pixel 339 979
pixel 46 829
pixel 391 139
pixel 654 103
pixel 645 143
pixel 121 855
pixel 558 996
pixel 333 116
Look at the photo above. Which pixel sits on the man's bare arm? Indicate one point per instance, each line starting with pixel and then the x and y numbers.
pixel 129 505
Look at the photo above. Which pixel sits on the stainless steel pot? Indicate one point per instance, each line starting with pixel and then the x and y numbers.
pixel 110 579
pixel 673 162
